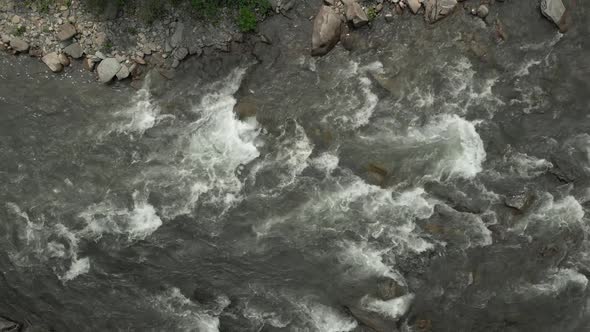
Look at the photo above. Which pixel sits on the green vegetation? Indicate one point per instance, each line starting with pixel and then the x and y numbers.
pixel 20 31
pixel 248 12
pixel 371 13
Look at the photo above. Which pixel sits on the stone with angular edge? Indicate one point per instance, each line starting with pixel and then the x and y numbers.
pixel 107 69
pixel 326 31
pixel 52 61
pixel 66 31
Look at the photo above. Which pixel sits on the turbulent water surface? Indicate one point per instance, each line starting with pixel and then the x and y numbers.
pixel 412 179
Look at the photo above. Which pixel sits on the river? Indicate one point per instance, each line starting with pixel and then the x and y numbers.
pixel 431 161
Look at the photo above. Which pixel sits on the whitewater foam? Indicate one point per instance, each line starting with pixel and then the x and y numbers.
pixel 106 218
pixel 394 308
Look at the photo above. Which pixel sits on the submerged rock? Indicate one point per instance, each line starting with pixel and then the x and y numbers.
pixel 8 325
pixel 326 31
pixel 53 62
pixel 372 320
pixel 555 11
pixel 439 9
pixel 107 69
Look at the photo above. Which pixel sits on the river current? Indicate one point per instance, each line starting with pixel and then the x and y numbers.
pixel 412 179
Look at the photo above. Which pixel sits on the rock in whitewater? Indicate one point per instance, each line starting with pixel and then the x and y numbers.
pixel 8 325
pixel 19 45
pixel 66 32
pixel 52 61
pixel 414 5
pixel 123 73
pixel 107 69
pixel 554 10
pixel 246 107
pixel 355 13
pixel 372 320
pixel 439 9
pixel 388 289
pixel 326 31
pixel 74 50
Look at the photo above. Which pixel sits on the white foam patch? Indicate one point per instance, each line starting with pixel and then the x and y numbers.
pixel 464 149
pixel 214 148
pixel 78 267
pixel 326 162
pixel 358 109
pixel 554 215
pixel 555 283
pixel 394 308
pixel 105 218
pixel 526 166
pixel 188 315
pixel 142 115
pixel 327 319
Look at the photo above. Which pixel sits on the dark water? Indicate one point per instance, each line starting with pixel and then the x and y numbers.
pixel 430 157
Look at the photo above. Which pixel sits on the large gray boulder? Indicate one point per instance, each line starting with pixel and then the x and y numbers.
pixel 107 69
pixel 326 31
pixel 74 50
pixel 439 9
pixel 553 10
pixel 177 36
pixel 355 13
pixel 52 61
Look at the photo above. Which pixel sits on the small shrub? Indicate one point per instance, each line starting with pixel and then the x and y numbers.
pixel 371 13
pixel 20 31
pixel 247 20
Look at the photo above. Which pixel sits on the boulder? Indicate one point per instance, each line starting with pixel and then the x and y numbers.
pixel 107 69
pixel 246 107
pixel 388 289
pixel 52 61
pixel 414 5
pixel 372 320
pixel 63 59
pixel 8 325
pixel 180 53
pixel 19 45
pixel 176 38
pixel 74 50
pixel 355 13
pixel 326 31
pixel 88 64
pixel 439 9
pixel 554 10
pixel 65 32
pixel 123 73
pixel 482 11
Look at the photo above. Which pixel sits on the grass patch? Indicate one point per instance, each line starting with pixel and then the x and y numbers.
pixel 20 31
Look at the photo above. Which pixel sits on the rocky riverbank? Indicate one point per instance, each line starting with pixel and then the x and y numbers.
pixel 117 45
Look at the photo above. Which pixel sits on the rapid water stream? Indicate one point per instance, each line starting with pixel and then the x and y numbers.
pixel 411 178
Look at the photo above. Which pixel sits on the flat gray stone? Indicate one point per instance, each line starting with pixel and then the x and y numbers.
pixel 123 73
pixel 66 31
pixel 52 61
pixel 107 69
pixel 74 50
pixel 19 45
pixel 553 10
